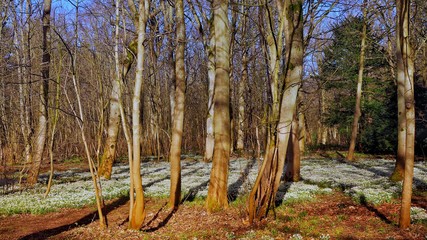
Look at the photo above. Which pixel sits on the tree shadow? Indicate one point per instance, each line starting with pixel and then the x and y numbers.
pixel 417 182
pixel 281 192
pixel 156 215
pixel 192 193
pixel 89 218
pixel 163 222
pixel 233 189
pixel 364 202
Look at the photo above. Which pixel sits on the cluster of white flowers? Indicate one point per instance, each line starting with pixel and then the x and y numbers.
pixel 418 214
pixel 365 181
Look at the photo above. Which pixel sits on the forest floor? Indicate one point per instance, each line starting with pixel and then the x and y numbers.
pixel 332 216
pixel 328 210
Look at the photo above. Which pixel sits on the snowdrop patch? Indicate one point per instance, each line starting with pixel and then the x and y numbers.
pixel 365 181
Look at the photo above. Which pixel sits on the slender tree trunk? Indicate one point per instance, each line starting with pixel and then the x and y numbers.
pixel 178 119
pixel 41 132
pixel 404 54
pixel 323 130
pixel 217 192
pixel 263 193
pixel 138 213
pixel 302 132
pixel 110 148
pixel 121 71
pixel 53 125
pixel 210 141
pixel 242 84
pixel 80 120
pixel 22 48
pixel 357 110
pixel 242 90
pixel 293 157
pixel 399 168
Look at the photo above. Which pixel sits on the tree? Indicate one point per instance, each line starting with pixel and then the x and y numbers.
pixel 357 111
pixel 41 131
pixel 207 35
pixel 263 193
pixel 243 82
pixel 178 118
pixel 138 210
pixel 338 73
pixel 110 148
pixel 217 191
pixel 405 70
pixel 81 122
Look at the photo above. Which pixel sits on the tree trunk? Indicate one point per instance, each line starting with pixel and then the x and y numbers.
pixel 110 148
pixel 178 119
pixel 399 168
pixel 357 110
pixel 404 54
pixel 120 74
pixel 138 213
pixel 242 90
pixel 109 153
pixel 217 192
pixel 293 157
pixel 242 86
pixel 41 132
pixel 302 132
pixel 210 141
pixel 263 193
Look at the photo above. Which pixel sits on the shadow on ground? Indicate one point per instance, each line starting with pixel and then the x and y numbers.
pixel 82 221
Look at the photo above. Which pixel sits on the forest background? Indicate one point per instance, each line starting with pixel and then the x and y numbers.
pixel 88 40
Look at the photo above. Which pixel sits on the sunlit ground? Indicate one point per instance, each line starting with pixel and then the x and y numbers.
pixel 365 181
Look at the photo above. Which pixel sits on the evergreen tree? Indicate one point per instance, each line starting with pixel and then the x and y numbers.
pixel 339 70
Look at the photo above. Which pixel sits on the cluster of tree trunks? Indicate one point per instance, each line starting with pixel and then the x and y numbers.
pixel 285 130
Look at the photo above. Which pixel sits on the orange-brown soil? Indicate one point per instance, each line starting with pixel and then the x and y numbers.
pixel 335 215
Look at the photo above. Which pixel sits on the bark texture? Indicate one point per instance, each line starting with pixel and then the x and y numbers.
pixel 138 210
pixel 399 168
pixel 178 119
pixel 217 191
pixel 404 53
pixel 210 50
pixel 39 140
pixel 109 153
pixel 262 195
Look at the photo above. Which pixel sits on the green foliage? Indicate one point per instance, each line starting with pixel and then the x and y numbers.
pixel 339 72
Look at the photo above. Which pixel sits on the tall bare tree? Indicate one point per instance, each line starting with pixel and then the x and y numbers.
pixel 357 110
pixel 217 192
pixel 207 34
pixel 110 148
pixel 405 69
pixel 138 211
pixel 178 118
pixel 399 168
pixel 243 81
pixel 263 193
pixel 39 140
